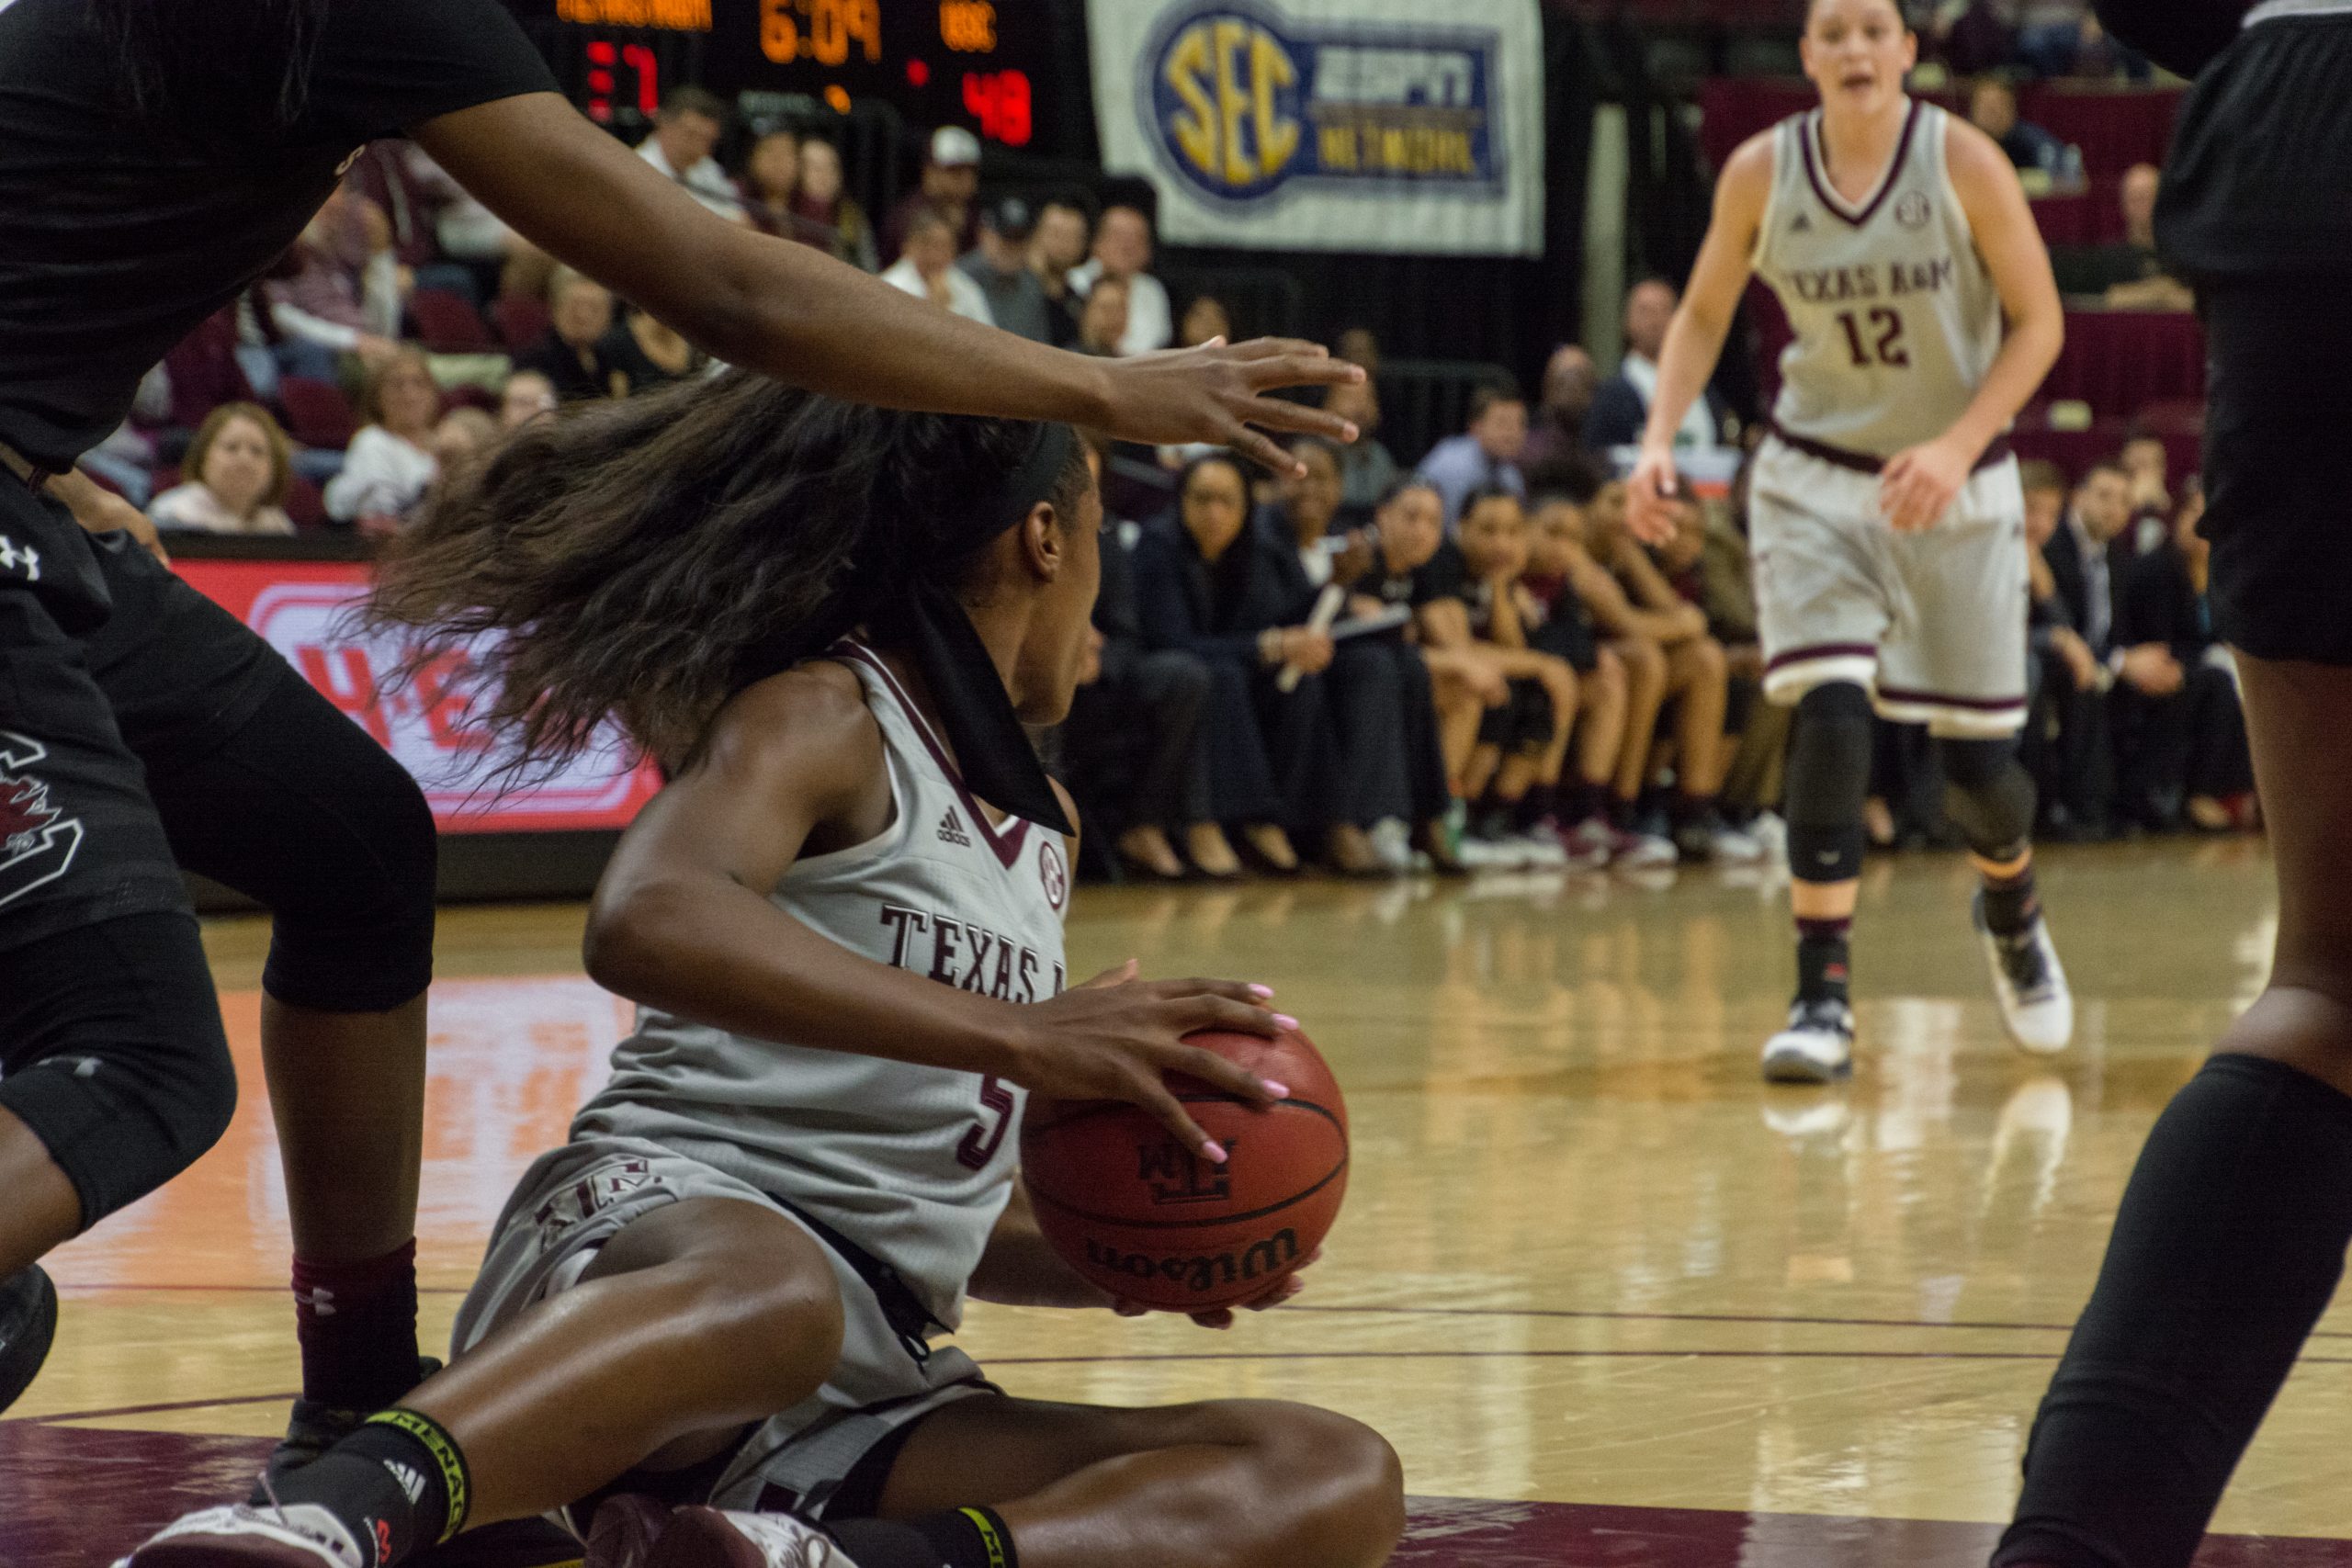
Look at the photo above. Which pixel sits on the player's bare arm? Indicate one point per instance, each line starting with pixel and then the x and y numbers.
pixel 806 318
pixel 1616 612
pixel 1920 483
pixel 681 921
pixel 1695 339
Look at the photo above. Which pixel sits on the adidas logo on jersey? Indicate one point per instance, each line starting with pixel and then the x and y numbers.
pixel 951 830
pixel 1801 224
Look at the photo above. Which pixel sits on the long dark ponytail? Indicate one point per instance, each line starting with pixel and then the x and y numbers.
pixel 219 70
pixel 645 559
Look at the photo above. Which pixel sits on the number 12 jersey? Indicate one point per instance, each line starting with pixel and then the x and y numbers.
pixel 1896 315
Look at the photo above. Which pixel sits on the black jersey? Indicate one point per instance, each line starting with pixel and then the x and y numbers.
pixel 2259 180
pixel 119 233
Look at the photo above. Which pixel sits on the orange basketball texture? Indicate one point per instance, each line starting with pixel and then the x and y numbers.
pixel 1142 1216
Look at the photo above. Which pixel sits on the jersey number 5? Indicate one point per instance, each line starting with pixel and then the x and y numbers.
pixel 1887 349
pixel 981 1142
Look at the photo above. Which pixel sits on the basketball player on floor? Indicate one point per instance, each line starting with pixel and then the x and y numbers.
pixel 716 1299
pixel 1885 511
pixel 2231 1236
pixel 154 159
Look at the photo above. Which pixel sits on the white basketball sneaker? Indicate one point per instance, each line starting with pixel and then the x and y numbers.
pixel 300 1535
pixel 2036 1007
pixel 724 1537
pixel 1817 1047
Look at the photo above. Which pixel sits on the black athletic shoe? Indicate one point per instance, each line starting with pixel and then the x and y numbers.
pixel 28 1323
pixel 313 1429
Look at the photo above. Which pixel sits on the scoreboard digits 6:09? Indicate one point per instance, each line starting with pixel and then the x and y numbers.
pixel 984 63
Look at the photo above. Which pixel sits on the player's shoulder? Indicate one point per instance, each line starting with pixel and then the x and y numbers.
pixel 1752 162
pixel 814 710
pixel 1745 184
pixel 1972 159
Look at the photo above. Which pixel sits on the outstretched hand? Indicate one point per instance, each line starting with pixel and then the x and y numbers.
pixel 1217 394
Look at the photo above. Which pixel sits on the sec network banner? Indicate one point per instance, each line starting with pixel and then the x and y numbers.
pixel 1340 125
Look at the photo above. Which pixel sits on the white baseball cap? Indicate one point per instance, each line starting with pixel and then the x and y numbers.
pixel 953 147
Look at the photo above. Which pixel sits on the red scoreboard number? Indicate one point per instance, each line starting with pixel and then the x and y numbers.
pixel 999 101
pixel 604 59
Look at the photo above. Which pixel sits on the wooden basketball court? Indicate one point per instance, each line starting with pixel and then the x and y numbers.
pixel 1615 1301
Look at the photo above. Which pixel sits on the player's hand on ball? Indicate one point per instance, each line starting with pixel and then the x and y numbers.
pixel 1648 490
pixel 1280 1290
pixel 1112 1037
pixel 1217 391
pixel 1919 485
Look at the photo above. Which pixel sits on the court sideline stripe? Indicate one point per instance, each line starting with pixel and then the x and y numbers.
pixel 66 1415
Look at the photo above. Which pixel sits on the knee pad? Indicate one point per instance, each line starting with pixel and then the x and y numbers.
pixel 353 926
pixel 117 1059
pixel 1829 773
pixel 1988 796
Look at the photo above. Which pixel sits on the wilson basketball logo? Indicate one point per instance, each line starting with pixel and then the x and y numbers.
pixel 1175 1174
pixel 1261 1259
pixel 38 841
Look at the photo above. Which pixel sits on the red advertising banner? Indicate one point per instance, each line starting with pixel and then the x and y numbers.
pixel 303 610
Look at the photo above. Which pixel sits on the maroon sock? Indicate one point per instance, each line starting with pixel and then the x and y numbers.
pixel 357 1322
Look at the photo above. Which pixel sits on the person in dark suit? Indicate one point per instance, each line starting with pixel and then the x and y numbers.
pixel 1206 584
pixel 1621 405
pixel 2185 754
pixel 2071 754
pixel 1132 745
pixel 2104 672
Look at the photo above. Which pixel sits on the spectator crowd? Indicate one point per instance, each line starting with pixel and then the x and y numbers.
pixel 1454 659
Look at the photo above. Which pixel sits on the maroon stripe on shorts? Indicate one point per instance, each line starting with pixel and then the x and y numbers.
pixel 1862 462
pixel 1822 650
pixel 1941 700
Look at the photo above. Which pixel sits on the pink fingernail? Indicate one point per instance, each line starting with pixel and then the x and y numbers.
pixel 1279 1090
pixel 1284 1020
pixel 1263 993
pixel 1214 1151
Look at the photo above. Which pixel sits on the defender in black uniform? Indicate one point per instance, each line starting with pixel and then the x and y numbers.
pixel 2232 1235
pixel 154 158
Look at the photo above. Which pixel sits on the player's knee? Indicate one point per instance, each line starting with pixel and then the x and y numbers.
pixel 774 1315
pixel 1828 775
pixel 1704 658
pixel 1607 674
pixel 1343 1471
pixel 354 931
pixel 134 1090
pixel 1988 796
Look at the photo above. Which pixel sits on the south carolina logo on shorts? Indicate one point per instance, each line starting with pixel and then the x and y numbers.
pixel 36 843
pixel 1052 871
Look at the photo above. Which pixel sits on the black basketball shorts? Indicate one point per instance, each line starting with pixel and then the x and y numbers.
pixel 2278 465
pixel 79 839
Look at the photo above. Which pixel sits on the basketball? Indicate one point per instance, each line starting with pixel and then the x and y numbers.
pixel 1152 1221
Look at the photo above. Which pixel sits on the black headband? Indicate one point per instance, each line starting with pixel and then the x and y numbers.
pixel 991 748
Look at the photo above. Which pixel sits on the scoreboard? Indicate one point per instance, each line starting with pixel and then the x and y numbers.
pixel 986 64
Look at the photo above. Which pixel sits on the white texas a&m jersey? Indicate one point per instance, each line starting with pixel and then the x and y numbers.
pixel 914 1163
pixel 1896 315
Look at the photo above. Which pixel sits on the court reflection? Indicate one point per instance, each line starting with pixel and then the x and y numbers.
pixel 1587 1257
